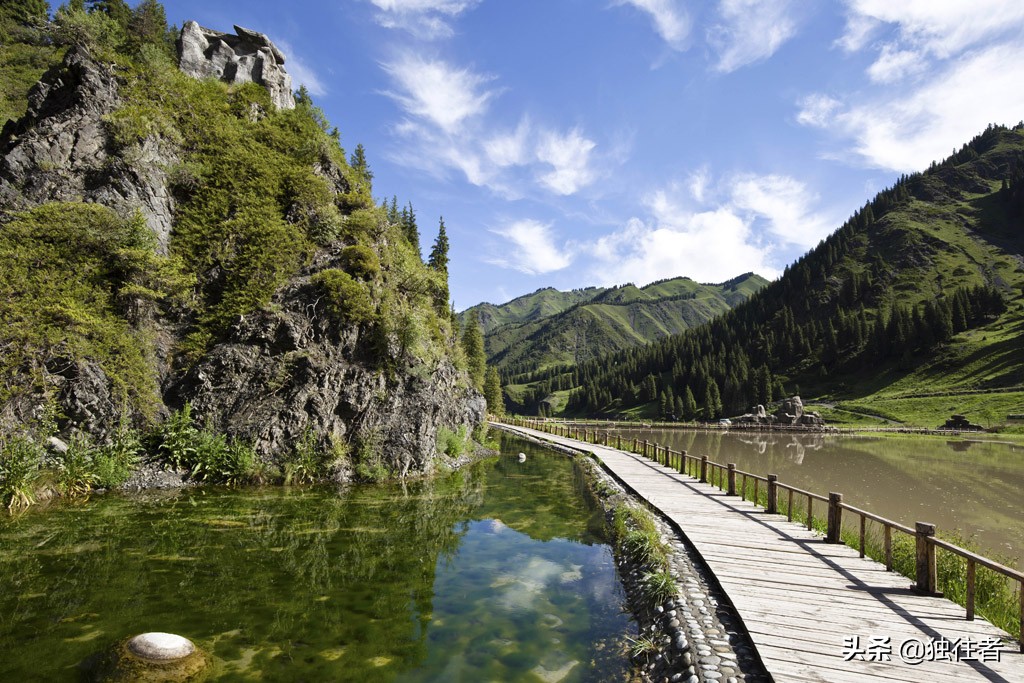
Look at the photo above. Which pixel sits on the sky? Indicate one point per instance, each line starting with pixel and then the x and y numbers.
pixel 573 143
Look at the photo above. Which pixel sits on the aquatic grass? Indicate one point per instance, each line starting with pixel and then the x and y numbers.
pixel 642 647
pixel 207 456
pixel 20 460
pixel 659 586
pixel 76 473
pixel 637 537
pixel 115 462
pixel 307 463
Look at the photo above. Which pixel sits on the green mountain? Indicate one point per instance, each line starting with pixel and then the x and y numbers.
pixel 608 320
pixel 543 303
pixel 910 311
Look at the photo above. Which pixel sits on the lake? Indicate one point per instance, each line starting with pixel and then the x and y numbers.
pixel 500 571
pixel 973 486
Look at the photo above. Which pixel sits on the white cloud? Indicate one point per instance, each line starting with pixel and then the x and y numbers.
pixel 751 30
pixel 569 157
pixel 698 184
pixel 425 19
pixel 859 31
pixel 510 149
pixel 448 128
pixel 817 110
pixel 943 28
pixel 301 73
pixel 669 18
pixel 754 217
pixel 534 251
pixel 437 92
pixel 710 246
pixel 907 130
pixel 894 64
pixel 785 205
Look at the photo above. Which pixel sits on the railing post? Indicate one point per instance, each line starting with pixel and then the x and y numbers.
pixel 970 589
pixel 732 479
pixel 704 469
pixel 925 559
pixel 618 441
pixel 835 518
pixel 773 494
pixel 683 463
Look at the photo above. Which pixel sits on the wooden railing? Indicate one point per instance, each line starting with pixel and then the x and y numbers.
pixel 725 478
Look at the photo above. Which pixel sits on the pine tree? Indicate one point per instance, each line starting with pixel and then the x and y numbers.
pixel 411 230
pixel 439 261
pixel 118 10
pixel 493 393
pixel 689 404
pixel 439 253
pixel 26 11
pixel 473 346
pixel 359 164
pixel 712 401
pixel 148 26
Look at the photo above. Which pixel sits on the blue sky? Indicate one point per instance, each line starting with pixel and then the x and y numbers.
pixel 571 143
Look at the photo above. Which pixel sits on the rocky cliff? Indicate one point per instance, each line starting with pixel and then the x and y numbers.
pixel 250 338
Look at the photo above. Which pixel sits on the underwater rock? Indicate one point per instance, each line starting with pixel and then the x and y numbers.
pixel 155 658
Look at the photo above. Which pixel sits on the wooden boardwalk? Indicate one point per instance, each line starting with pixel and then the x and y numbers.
pixel 811 608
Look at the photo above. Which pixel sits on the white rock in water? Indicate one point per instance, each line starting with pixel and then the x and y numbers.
pixel 160 646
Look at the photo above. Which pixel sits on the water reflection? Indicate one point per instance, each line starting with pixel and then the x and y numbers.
pixel 905 478
pixel 432 580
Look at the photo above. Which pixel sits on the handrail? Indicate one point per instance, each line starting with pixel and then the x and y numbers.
pixel 924 533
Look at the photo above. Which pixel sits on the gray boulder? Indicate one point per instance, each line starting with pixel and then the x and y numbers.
pixel 248 56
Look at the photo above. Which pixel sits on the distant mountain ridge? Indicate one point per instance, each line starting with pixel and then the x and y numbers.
pixel 549 327
pixel 543 303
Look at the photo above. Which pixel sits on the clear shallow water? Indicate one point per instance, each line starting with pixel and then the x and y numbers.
pixel 972 486
pixel 498 572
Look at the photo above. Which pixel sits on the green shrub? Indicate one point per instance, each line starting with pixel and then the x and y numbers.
pixel 206 455
pixel 307 463
pixel 178 437
pixel 220 461
pixel 368 457
pixel 347 299
pixel 114 464
pixel 76 473
pixel 20 460
pixel 452 444
pixel 84 317
pixel 360 262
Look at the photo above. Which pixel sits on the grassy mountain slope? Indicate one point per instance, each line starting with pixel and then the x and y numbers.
pixel 910 311
pixel 616 318
pixel 541 304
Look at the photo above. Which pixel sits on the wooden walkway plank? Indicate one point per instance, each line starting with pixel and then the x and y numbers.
pixel 801 599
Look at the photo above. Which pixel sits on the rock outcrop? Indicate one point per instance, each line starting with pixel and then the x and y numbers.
pixel 62 150
pixel 790 413
pixel 247 56
pixel 960 423
pixel 281 372
pixel 292 367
